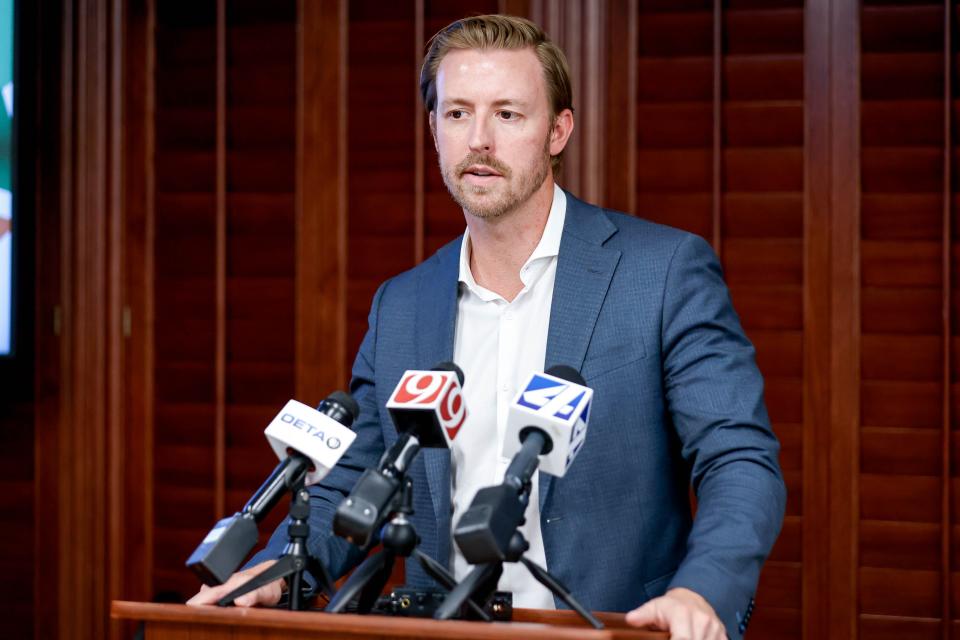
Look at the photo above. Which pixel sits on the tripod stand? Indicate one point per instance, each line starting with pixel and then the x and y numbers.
pixel 399 538
pixel 480 583
pixel 293 562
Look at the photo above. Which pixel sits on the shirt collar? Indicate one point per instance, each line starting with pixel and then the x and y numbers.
pixel 548 247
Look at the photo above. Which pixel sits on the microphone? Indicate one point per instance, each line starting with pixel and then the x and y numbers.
pixel 428 411
pixel 546 428
pixel 430 405
pixel 309 442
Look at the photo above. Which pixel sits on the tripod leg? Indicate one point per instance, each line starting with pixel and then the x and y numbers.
pixel 547 580
pixel 374 586
pixel 443 577
pixel 476 581
pixel 356 582
pixel 285 566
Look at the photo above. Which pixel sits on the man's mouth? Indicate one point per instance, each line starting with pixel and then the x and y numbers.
pixel 482 171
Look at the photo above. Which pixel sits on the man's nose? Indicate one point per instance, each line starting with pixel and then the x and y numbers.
pixel 481 137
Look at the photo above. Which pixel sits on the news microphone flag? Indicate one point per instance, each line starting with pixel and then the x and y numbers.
pixel 429 404
pixel 301 428
pixel 558 406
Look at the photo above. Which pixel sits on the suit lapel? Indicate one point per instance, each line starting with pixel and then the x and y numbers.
pixel 584 271
pixel 436 323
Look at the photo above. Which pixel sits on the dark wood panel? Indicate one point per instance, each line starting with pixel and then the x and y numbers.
pixel 900 451
pixel 779 353
pixel 901 404
pixel 902 216
pixel 902 28
pixel 902 123
pixel 897 627
pixel 900 545
pixel 901 310
pixel 780 584
pixel 900 498
pixel 763 169
pixel 902 76
pixel 762 215
pixel 917 593
pixel 899 357
pixel 768 306
pixel 763 261
pixel 764 30
pixel 901 264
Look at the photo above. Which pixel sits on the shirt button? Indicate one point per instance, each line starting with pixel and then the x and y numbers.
pixel 504 388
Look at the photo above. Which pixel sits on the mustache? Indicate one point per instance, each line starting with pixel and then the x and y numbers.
pixel 484 159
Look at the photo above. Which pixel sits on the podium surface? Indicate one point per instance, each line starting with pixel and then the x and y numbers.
pixel 179 622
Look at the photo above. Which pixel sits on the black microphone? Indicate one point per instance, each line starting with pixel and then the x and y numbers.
pixel 309 442
pixel 428 411
pixel 546 427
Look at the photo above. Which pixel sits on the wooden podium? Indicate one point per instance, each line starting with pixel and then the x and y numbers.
pixel 180 622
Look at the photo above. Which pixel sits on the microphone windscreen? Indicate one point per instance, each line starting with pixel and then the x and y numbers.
pixel 566 372
pixel 346 401
pixel 450 366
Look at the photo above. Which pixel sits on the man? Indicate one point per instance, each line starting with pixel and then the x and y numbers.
pixel 540 278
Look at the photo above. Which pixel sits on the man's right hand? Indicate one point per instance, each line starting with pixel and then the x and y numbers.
pixel 267 594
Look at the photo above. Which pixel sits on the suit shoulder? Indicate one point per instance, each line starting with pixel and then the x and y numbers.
pixel 635 233
pixel 405 284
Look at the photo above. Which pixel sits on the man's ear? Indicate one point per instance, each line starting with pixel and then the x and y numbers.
pixel 561 131
pixel 433 129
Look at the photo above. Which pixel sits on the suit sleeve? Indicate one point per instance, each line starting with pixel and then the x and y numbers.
pixel 714 394
pixel 337 554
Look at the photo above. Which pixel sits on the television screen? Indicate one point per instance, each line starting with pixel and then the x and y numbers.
pixel 7 228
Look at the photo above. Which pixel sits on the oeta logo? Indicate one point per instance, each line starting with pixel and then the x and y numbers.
pixel 332 442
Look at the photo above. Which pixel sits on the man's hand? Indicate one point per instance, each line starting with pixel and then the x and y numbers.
pixel 684 613
pixel 267 594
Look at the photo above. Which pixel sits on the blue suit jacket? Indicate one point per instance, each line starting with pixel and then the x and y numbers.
pixel 642 311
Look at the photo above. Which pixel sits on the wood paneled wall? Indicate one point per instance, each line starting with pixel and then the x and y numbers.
pixel 231 180
pixel 719 149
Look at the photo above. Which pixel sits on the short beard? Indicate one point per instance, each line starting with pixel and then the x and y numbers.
pixel 514 196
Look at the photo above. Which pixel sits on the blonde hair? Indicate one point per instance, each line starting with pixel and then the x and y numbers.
pixel 498 31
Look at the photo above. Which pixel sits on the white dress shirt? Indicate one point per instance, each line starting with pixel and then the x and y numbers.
pixel 498 345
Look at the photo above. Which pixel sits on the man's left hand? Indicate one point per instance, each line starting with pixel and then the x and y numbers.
pixel 684 613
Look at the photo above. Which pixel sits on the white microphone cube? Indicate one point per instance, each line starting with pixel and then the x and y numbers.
pixel 301 428
pixel 559 407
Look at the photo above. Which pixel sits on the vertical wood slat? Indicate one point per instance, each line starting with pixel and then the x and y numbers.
pixel 717 155
pixel 86 379
pixel 115 348
pixel 220 365
pixel 321 198
pixel 620 70
pixel 816 321
pixel 138 291
pixel 844 119
pixel 946 515
pixel 149 360
pixel 419 226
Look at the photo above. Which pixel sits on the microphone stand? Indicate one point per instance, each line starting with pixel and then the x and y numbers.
pixel 295 559
pixel 481 582
pixel 497 512
pixel 399 538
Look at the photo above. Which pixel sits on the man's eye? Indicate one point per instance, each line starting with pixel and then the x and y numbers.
pixel 456 114
pixel 508 115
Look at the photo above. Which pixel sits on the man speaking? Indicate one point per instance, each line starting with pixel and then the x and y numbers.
pixel 538 279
